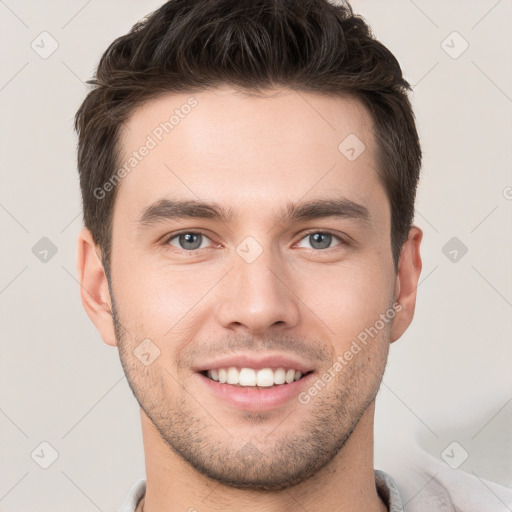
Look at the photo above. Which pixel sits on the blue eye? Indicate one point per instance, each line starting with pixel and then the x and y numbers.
pixel 188 241
pixel 321 239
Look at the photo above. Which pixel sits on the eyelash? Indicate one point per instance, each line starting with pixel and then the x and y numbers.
pixel 194 251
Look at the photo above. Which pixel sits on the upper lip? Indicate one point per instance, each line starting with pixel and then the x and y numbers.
pixel 257 362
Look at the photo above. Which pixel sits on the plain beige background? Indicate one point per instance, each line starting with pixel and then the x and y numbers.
pixel 448 378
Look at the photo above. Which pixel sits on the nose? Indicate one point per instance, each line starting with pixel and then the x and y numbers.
pixel 257 296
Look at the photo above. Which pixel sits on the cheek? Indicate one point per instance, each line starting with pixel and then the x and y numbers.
pixel 162 303
pixel 347 298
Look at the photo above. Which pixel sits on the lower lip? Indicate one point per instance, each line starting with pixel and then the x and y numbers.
pixel 257 399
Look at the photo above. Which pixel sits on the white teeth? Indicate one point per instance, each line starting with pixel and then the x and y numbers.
pixel 266 377
pixel 233 375
pixel 280 376
pixel 290 376
pixel 247 377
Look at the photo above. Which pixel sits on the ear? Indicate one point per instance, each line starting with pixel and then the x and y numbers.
pixel 94 287
pixel 409 270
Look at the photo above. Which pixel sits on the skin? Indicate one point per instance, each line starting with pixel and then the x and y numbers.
pixel 252 154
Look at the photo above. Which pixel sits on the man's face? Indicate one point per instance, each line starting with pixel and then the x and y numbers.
pixel 259 283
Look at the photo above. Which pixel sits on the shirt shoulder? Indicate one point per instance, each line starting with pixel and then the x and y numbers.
pixel 388 491
pixel 427 483
pixel 135 494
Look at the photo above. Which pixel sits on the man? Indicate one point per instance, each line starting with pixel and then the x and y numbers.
pixel 248 172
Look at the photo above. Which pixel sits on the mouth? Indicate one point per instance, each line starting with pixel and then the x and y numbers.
pixel 253 377
pixel 255 389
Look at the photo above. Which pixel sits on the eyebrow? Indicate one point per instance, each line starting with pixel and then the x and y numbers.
pixel 167 209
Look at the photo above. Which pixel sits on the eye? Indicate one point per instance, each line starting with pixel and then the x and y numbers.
pixel 188 241
pixel 321 239
pixel 193 240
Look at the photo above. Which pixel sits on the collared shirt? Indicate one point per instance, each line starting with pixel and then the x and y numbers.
pixel 386 487
pixel 424 485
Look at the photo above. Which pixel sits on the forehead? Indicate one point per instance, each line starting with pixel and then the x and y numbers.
pixel 247 150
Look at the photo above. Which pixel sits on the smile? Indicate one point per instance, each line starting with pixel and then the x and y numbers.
pixel 251 377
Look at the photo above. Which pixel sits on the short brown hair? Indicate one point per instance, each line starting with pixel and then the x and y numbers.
pixel 191 45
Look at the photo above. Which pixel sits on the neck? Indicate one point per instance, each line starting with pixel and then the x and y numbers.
pixel 347 483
